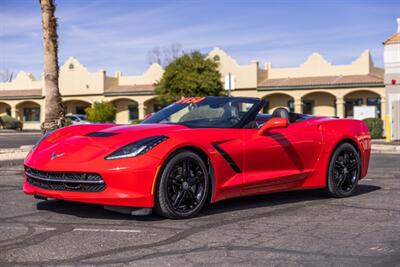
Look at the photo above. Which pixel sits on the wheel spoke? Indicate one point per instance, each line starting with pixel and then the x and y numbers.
pixel 339 165
pixel 178 199
pixel 349 180
pixel 192 197
pixel 185 169
pixel 342 178
pixel 196 179
pixel 176 182
pixel 352 166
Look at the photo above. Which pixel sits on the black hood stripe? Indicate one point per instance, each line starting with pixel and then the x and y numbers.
pixel 100 134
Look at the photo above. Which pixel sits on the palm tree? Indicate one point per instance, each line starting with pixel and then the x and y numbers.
pixel 54 113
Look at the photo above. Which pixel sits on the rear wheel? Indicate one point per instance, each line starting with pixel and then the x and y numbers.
pixel 344 171
pixel 183 186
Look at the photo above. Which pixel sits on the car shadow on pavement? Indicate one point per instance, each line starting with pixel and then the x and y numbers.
pixel 92 211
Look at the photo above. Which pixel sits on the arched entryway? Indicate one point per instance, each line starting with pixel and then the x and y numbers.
pixel 151 106
pixel 5 109
pixel 277 100
pixel 76 106
pixel 28 112
pixel 127 110
pixel 362 98
pixel 319 103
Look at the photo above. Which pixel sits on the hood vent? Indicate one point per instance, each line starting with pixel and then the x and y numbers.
pixel 100 134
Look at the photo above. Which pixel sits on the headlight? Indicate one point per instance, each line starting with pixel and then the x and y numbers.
pixel 137 148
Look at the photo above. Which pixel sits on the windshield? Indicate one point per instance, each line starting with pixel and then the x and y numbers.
pixel 208 112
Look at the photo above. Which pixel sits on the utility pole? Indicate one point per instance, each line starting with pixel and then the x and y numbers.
pixel 229 84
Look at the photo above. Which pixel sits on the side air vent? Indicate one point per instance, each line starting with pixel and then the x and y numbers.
pixel 100 134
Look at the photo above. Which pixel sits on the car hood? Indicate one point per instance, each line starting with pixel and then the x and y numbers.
pixel 86 142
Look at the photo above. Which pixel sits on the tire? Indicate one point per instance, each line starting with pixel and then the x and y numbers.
pixel 344 171
pixel 183 186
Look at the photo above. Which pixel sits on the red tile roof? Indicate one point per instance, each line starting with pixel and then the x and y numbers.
pixel 322 81
pixel 394 39
pixel 134 88
pixel 25 93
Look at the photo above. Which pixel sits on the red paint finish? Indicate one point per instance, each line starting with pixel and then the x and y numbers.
pixel 285 157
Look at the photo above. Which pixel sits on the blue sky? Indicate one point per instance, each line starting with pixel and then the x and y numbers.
pixel 116 35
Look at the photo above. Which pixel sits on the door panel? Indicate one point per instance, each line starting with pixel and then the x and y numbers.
pixel 281 156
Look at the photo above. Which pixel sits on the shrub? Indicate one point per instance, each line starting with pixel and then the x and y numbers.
pixel 101 112
pixel 68 122
pixel 375 126
pixel 9 122
pixel 136 121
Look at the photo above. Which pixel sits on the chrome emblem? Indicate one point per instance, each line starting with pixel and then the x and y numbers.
pixel 54 155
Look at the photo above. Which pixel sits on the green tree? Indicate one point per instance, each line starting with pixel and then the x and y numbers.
pixel 101 112
pixel 187 76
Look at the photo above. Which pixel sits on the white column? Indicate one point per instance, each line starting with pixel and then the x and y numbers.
pixel 13 111
pixel 142 110
pixel 298 105
pixel 42 111
pixel 383 108
pixel 340 107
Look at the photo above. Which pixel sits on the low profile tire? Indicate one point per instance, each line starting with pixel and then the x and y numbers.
pixel 344 171
pixel 182 187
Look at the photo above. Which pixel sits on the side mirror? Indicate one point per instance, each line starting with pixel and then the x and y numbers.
pixel 273 123
pixel 148 116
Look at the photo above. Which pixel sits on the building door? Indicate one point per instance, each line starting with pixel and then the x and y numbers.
pixel 396 120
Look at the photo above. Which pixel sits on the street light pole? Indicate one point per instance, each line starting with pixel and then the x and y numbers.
pixel 229 85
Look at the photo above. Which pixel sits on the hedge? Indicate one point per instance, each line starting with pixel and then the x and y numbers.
pixel 9 122
pixel 375 126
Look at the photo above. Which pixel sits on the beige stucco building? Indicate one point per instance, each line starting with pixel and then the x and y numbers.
pixel 315 87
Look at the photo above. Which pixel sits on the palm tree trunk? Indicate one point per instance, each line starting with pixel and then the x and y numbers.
pixel 54 113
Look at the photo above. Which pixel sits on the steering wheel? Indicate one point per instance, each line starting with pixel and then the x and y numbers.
pixel 233 119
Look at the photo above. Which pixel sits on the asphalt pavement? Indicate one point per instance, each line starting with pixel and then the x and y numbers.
pixel 14 139
pixel 302 228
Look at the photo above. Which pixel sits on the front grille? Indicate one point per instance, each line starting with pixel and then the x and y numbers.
pixel 65 181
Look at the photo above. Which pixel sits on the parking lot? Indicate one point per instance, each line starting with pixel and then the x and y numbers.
pixel 285 229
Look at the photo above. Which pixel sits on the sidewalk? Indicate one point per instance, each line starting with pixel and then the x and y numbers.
pixel 11 132
pixel 7 154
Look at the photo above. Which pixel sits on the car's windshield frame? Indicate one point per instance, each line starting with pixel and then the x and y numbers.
pixel 248 116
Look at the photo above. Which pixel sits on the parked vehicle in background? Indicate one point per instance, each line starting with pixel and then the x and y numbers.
pixel 77 119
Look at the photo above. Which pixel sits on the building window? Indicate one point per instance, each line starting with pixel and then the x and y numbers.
pixel 31 114
pixel 350 104
pixel 266 107
pixel 133 112
pixel 308 107
pixel 290 105
pixel 80 110
pixel 375 101
pixel 216 58
pixel 157 107
pixel 8 111
pixel 71 66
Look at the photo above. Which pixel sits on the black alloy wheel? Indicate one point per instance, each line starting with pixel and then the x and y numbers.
pixel 183 186
pixel 344 171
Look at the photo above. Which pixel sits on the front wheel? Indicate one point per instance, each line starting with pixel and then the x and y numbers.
pixel 183 186
pixel 344 171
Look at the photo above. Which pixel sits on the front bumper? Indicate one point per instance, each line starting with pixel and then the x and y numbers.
pixel 129 182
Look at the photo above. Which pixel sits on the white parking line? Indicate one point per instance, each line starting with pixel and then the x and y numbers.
pixel 75 229
pixel 107 230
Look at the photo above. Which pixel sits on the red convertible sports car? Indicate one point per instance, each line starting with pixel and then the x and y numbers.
pixel 198 150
